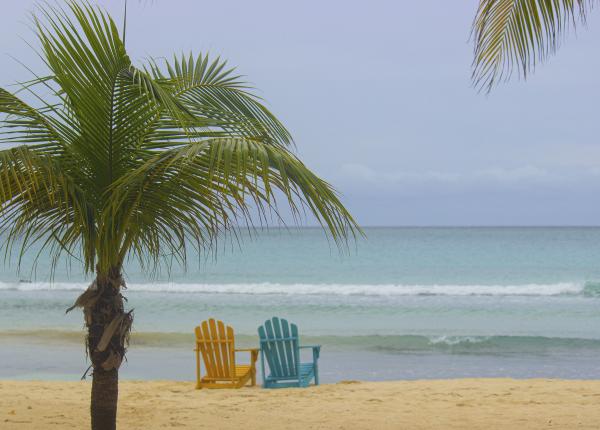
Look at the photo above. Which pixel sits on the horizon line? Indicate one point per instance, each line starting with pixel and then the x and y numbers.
pixel 289 227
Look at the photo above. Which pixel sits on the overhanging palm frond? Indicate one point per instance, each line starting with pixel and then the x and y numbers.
pixel 39 202
pixel 22 124
pixel 515 35
pixel 210 90
pixel 197 190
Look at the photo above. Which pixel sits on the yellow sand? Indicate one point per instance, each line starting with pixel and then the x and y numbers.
pixel 448 404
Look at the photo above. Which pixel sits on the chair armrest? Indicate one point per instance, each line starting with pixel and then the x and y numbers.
pixel 253 353
pixel 316 350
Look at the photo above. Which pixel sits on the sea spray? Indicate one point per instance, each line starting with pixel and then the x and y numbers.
pixel 588 289
pixel 390 344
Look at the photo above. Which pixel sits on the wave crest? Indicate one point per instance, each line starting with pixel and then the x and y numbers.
pixel 391 344
pixel 588 289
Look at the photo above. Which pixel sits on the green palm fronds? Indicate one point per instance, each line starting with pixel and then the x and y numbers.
pixel 512 36
pixel 123 161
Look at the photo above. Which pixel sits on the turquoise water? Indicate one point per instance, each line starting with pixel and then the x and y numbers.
pixel 490 301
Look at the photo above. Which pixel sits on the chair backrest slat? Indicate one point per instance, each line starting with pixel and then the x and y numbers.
pixel 285 331
pixel 214 336
pixel 265 346
pixel 280 346
pixel 217 345
pixel 231 351
pixel 273 352
pixel 209 358
pixel 225 349
pixel 296 345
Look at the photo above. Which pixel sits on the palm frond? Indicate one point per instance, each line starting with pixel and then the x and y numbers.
pixel 515 35
pixel 201 189
pixel 210 90
pixel 142 162
pixel 23 124
pixel 39 202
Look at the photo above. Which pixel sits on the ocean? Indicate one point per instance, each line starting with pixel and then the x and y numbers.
pixel 402 303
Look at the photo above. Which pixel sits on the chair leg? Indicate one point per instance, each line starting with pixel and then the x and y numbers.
pixel 198 375
pixel 316 374
pixel 253 377
pixel 262 367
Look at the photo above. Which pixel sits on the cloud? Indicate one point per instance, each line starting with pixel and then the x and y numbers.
pixel 365 173
pixel 514 175
pixel 354 173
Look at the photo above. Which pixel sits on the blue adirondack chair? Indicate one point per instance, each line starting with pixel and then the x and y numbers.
pixel 280 348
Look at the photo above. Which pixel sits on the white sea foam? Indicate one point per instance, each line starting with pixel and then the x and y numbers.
pixel 557 289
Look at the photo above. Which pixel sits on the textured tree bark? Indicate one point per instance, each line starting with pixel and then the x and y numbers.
pixel 105 393
pixel 108 330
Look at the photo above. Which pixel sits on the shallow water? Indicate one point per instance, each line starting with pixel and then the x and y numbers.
pixel 427 302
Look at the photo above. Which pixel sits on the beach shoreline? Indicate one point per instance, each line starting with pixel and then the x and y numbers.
pixel 476 403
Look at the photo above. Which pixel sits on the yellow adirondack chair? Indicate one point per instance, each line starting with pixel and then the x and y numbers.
pixel 215 342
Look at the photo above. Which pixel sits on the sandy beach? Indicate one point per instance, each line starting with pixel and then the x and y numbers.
pixel 438 404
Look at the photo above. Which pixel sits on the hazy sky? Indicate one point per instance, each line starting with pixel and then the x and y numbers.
pixel 378 97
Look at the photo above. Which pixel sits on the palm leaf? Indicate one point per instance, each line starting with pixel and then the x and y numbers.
pixel 515 35
pixel 201 189
pixel 142 162
pixel 41 203
pixel 210 90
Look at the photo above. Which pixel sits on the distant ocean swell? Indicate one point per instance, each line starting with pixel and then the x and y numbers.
pixel 586 289
pixel 393 344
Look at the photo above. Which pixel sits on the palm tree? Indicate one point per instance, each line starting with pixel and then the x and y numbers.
pixel 109 162
pixel 515 35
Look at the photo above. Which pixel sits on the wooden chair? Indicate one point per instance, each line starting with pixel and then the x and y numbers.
pixel 280 347
pixel 216 343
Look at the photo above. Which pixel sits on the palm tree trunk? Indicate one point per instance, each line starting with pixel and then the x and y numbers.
pixel 108 330
pixel 105 393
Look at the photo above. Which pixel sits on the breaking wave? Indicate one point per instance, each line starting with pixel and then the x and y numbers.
pixel 390 344
pixel 587 289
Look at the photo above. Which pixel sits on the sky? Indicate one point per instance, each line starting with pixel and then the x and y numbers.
pixel 379 100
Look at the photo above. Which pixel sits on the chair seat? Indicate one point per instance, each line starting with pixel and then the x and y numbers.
pixel 305 370
pixel 242 370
